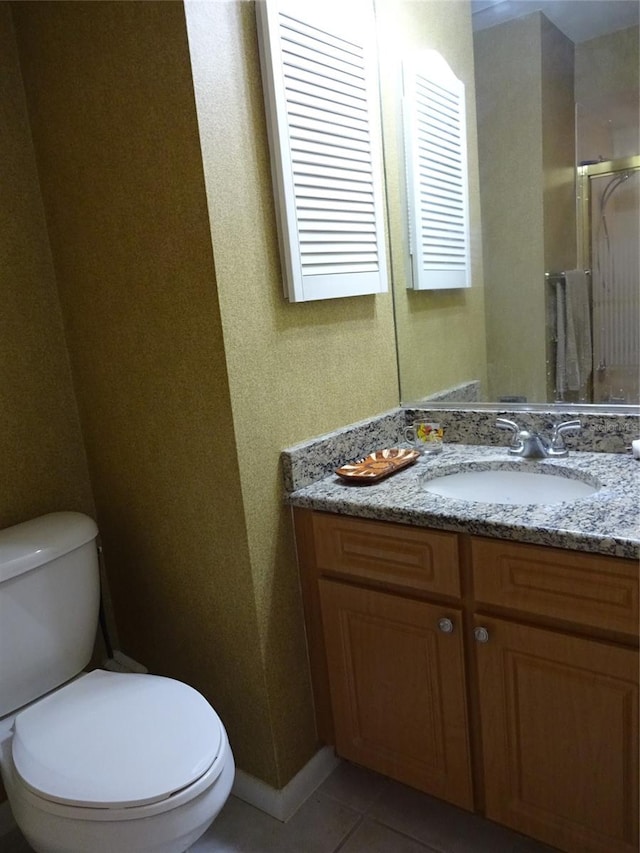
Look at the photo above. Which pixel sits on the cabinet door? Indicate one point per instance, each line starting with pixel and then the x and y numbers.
pixel 398 689
pixel 559 718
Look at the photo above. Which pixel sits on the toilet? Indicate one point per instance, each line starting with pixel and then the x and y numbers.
pixel 100 761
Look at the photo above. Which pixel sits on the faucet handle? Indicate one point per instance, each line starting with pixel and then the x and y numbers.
pixel 566 425
pixel 504 423
pixel 557 444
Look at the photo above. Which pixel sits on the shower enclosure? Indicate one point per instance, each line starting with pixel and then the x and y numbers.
pixel 609 246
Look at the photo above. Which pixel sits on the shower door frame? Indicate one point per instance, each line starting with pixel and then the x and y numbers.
pixel 583 222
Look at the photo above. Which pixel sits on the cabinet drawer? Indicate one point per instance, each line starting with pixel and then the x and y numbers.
pixel 396 554
pixel 587 589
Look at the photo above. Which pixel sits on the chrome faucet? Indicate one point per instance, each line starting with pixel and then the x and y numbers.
pixel 532 445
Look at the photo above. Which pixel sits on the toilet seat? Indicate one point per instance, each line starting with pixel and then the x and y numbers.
pixel 151 737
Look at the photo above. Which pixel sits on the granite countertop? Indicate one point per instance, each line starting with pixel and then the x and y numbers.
pixel 606 522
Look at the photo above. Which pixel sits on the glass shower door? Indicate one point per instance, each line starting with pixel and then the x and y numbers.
pixel 610 195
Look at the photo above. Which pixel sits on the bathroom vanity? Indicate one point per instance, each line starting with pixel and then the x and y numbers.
pixel 485 654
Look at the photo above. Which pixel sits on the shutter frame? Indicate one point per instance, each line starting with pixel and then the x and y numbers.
pixel 325 149
pixel 437 179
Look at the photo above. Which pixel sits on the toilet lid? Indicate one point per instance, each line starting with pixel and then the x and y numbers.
pixel 116 740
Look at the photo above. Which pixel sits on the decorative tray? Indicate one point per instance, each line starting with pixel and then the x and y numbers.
pixel 377 465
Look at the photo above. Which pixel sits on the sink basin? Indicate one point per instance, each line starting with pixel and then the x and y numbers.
pixel 500 486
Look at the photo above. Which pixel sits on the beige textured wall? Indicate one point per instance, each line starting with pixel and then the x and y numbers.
pixel 607 64
pixel 559 159
pixel 441 334
pixel 43 462
pixel 524 76
pixel 607 94
pixel 558 148
pixel 295 370
pixel 508 60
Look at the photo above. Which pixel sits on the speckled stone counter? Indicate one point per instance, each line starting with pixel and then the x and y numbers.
pixel 606 522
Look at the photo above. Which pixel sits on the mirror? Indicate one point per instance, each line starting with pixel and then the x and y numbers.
pixel 552 315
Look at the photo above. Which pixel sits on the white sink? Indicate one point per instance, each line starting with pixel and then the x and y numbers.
pixel 499 486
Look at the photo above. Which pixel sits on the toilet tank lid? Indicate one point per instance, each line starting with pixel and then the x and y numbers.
pixel 114 740
pixel 28 545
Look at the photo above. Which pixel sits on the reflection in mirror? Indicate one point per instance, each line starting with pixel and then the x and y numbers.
pixel 552 314
pixel 609 195
pixel 440 333
pixel 435 150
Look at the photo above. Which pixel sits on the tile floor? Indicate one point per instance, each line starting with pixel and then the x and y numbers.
pixel 353 811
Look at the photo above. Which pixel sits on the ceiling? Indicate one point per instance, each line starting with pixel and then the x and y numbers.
pixel 579 20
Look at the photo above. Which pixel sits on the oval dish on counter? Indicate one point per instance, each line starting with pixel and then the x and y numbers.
pixel 377 465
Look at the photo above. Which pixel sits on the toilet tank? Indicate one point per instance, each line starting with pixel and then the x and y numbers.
pixel 49 601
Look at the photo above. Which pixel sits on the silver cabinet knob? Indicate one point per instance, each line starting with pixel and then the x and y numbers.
pixel 481 635
pixel 445 625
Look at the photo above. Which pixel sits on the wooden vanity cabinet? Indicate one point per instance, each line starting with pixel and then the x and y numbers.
pixel 386 648
pixel 499 676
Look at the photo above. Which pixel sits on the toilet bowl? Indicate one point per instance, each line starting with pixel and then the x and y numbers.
pixel 97 762
pixel 117 762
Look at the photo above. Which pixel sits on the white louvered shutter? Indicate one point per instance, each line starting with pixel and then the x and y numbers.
pixel 437 176
pixel 318 70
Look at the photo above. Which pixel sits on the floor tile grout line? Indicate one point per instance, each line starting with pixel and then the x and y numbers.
pixel 366 814
pixel 345 802
pixel 426 847
pixel 349 834
pixel 381 822
pixel 423 846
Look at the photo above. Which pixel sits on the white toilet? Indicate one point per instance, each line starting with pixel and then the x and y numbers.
pixel 97 762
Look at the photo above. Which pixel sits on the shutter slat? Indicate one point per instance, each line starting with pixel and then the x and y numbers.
pixel 325 199
pixel 326 64
pixel 341 269
pixel 333 164
pixel 304 180
pixel 329 152
pixel 323 231
pixel 346 146
pixel 321 96
pixel 336 257
pixel 345 88
pixel 323 242
pixel 319 129
pixel 351 122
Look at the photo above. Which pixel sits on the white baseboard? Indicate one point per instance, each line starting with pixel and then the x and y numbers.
pixel 283 803
pixel 7 821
